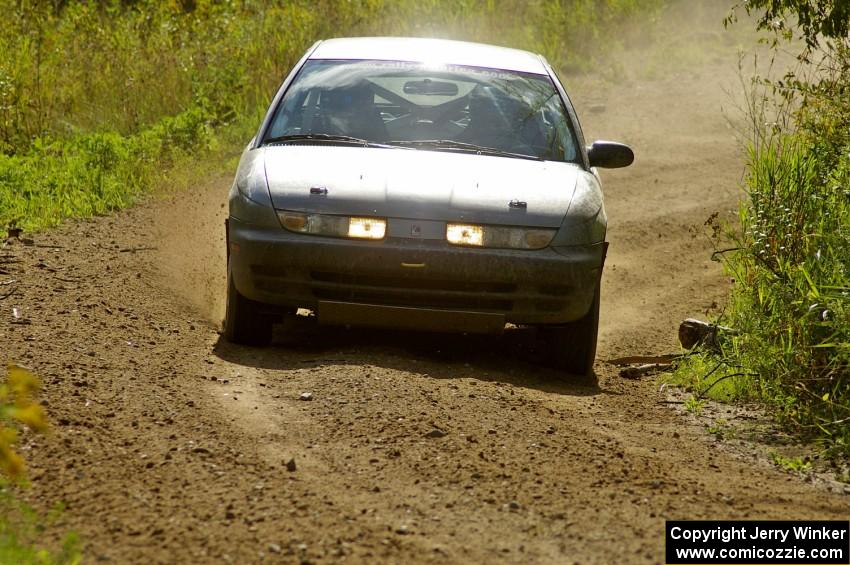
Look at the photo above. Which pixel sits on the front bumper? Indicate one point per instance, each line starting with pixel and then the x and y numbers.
pixel 273 266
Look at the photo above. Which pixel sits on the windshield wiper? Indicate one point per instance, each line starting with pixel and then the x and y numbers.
pixel 462 146
pixel 324 137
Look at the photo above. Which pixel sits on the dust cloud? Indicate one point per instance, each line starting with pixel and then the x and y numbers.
pixel 191 246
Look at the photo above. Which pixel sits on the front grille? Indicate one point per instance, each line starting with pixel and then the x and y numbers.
pixel 413 291
pixel 268 271
pixel 412 282
pixel 555 289
pixel 453 302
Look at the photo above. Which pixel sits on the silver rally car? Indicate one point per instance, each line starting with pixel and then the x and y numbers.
pixel 422 184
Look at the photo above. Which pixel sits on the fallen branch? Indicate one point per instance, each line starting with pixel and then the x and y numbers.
pixel 634 359
pixel 137 249
pixel 827 423
pixel 641 370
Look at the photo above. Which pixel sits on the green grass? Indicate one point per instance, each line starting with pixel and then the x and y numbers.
pixel 801 465
pixel 709 377
pixel 95 173
pixel 721 430
pixel 21 535
pixel 694 405
pixel 790 301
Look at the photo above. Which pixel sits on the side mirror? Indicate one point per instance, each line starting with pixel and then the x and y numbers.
pixel 610 155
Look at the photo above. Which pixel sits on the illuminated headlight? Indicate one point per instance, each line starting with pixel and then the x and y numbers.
pixel 498 236
pixel 335 226
pixel 462 234
pixel 367 228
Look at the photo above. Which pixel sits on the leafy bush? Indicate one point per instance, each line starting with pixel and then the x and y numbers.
pixel 20 529
pixel 20 526
pixel 816 19
pixel 95 173
pixel 17 406
pixel 790 300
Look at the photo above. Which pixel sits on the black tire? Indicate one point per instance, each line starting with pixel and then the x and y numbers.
pixel 572 347
pixel 245 322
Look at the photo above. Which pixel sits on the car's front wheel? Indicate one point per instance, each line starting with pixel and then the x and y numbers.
pixel 245 322
pixel 572 347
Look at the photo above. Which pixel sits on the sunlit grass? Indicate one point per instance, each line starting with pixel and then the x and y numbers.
pixel 790 302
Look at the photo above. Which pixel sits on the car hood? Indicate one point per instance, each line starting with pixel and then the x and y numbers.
pixel 419 184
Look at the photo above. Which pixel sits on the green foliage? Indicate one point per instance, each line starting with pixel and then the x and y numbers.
pixel 800 465
pixel 790 302
pixel 721 430
pixel 792 292
pixel 21 529
pixel 94 173
pixel 791 299
pixel 816 19
pixel 20 526
pixel 708 377
pixel 694 405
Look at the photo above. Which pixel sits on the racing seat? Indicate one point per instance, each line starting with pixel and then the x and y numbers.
pixel 487 126
pixel 350 111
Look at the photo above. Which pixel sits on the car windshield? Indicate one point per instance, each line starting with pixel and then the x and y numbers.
pixel 443 108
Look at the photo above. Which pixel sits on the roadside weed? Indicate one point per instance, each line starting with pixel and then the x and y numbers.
pixel 694 405
pixel 20 526
pixel 18 407
pixel 21 530
pixel 721 430
pixel 789 262
pixel 801 465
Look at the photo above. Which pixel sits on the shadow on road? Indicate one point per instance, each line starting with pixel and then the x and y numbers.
pixel 509 358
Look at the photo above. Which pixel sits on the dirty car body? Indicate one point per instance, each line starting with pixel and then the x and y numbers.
pixel 426 184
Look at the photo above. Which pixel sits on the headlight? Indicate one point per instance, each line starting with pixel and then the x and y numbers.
pixel 462 234
pixel 335 226
pixel 367 228
pixel 498 236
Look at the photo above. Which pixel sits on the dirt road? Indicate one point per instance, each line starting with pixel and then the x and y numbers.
pixel 171 446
